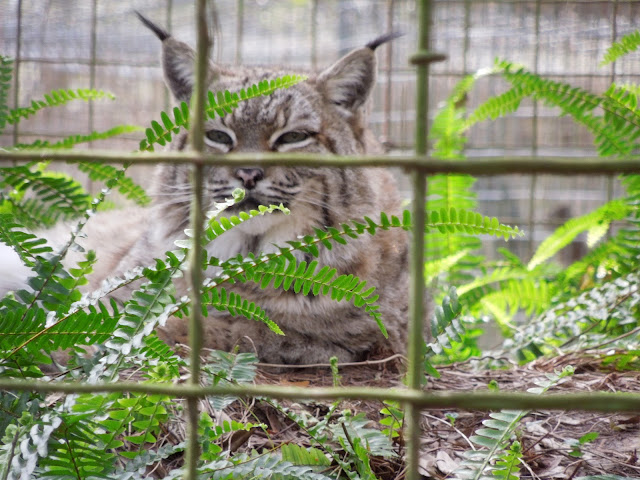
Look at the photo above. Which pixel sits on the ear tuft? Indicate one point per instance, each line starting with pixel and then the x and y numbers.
pixel 178 62
pixel 373 44
pixel 349 82
pixel 161 33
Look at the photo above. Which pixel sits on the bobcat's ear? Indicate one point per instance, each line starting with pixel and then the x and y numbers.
pixel 177 61
pixel 349 82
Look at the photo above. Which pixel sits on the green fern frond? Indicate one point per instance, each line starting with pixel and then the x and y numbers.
pixel 615 256
pixel 107 173
pixel 148 307
pixel 565 234
pixel 530 294
pixel 498 106
pixel 460 220
pixel 281 270
pixel 218 104
pixel 358 426
pixel 79 452
pixel 59 192
pixel 507 467
pixel 56 98
pixel 436 267
pixel 506 283
pixel 619 254
pixel 162 134
pixel 233 303
pixel 6 75
pixel 492 459
pixel 35 441
pixel 447 192
pixel 615 133
pixel 238 368
pixel 496 276
pixel 72 140
pixel 29 212
pixel 447 134
pixel 217 225
pixel 627 44
pixel 221 103
pixel 146 459
pixel 26 245
pixel 229 367
pixel 263 466
pixel 586 318
pixel 27 330
pixel 445 328
pixel 299 455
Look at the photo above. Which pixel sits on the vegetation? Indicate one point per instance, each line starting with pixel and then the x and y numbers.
pixel 539 307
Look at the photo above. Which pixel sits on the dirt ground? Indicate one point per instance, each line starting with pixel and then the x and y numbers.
pixel 545 436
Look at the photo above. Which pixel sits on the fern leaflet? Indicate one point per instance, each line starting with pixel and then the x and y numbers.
pixel 26 245
pixel 614 210
pixel 106 173
pixel 445 328
pixel 492 460
pixel 73 140
pixel 54 99
pixel 627 44
pixel 58 191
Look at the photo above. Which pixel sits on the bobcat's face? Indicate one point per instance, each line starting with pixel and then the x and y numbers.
pixel 324 115
pixel 296 120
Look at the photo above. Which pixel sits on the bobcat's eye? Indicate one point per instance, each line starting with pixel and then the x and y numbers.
pixel 292 137
pixel 220 137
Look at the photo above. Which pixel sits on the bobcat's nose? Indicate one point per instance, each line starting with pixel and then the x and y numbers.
pixel 249 176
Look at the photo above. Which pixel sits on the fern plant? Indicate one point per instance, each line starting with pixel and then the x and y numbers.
pixel 521 295
pixel 497 456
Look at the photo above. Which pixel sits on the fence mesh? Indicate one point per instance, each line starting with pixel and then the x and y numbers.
pixel 100 44
pixel 74 44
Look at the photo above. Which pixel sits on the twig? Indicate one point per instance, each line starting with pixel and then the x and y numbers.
pixel 328 365
pixel 449 424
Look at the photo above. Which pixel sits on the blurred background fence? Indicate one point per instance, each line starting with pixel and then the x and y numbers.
pixel 100 44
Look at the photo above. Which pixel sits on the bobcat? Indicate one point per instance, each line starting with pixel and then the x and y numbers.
pixel 325 114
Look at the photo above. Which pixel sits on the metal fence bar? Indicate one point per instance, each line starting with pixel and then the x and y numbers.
pixel 239 32
pixel 534 132
pixel 314 36
pixel 595 402
pixel 612 78
pixel 415 370
pixel 486 166
pixel 388 75
pixel 16 67
pixel 197 226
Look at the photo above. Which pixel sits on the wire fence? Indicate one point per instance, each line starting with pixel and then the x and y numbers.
pixel 100 44
pixel 419 165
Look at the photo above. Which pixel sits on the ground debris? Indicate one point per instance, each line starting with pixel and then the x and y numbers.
pixel 548 438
